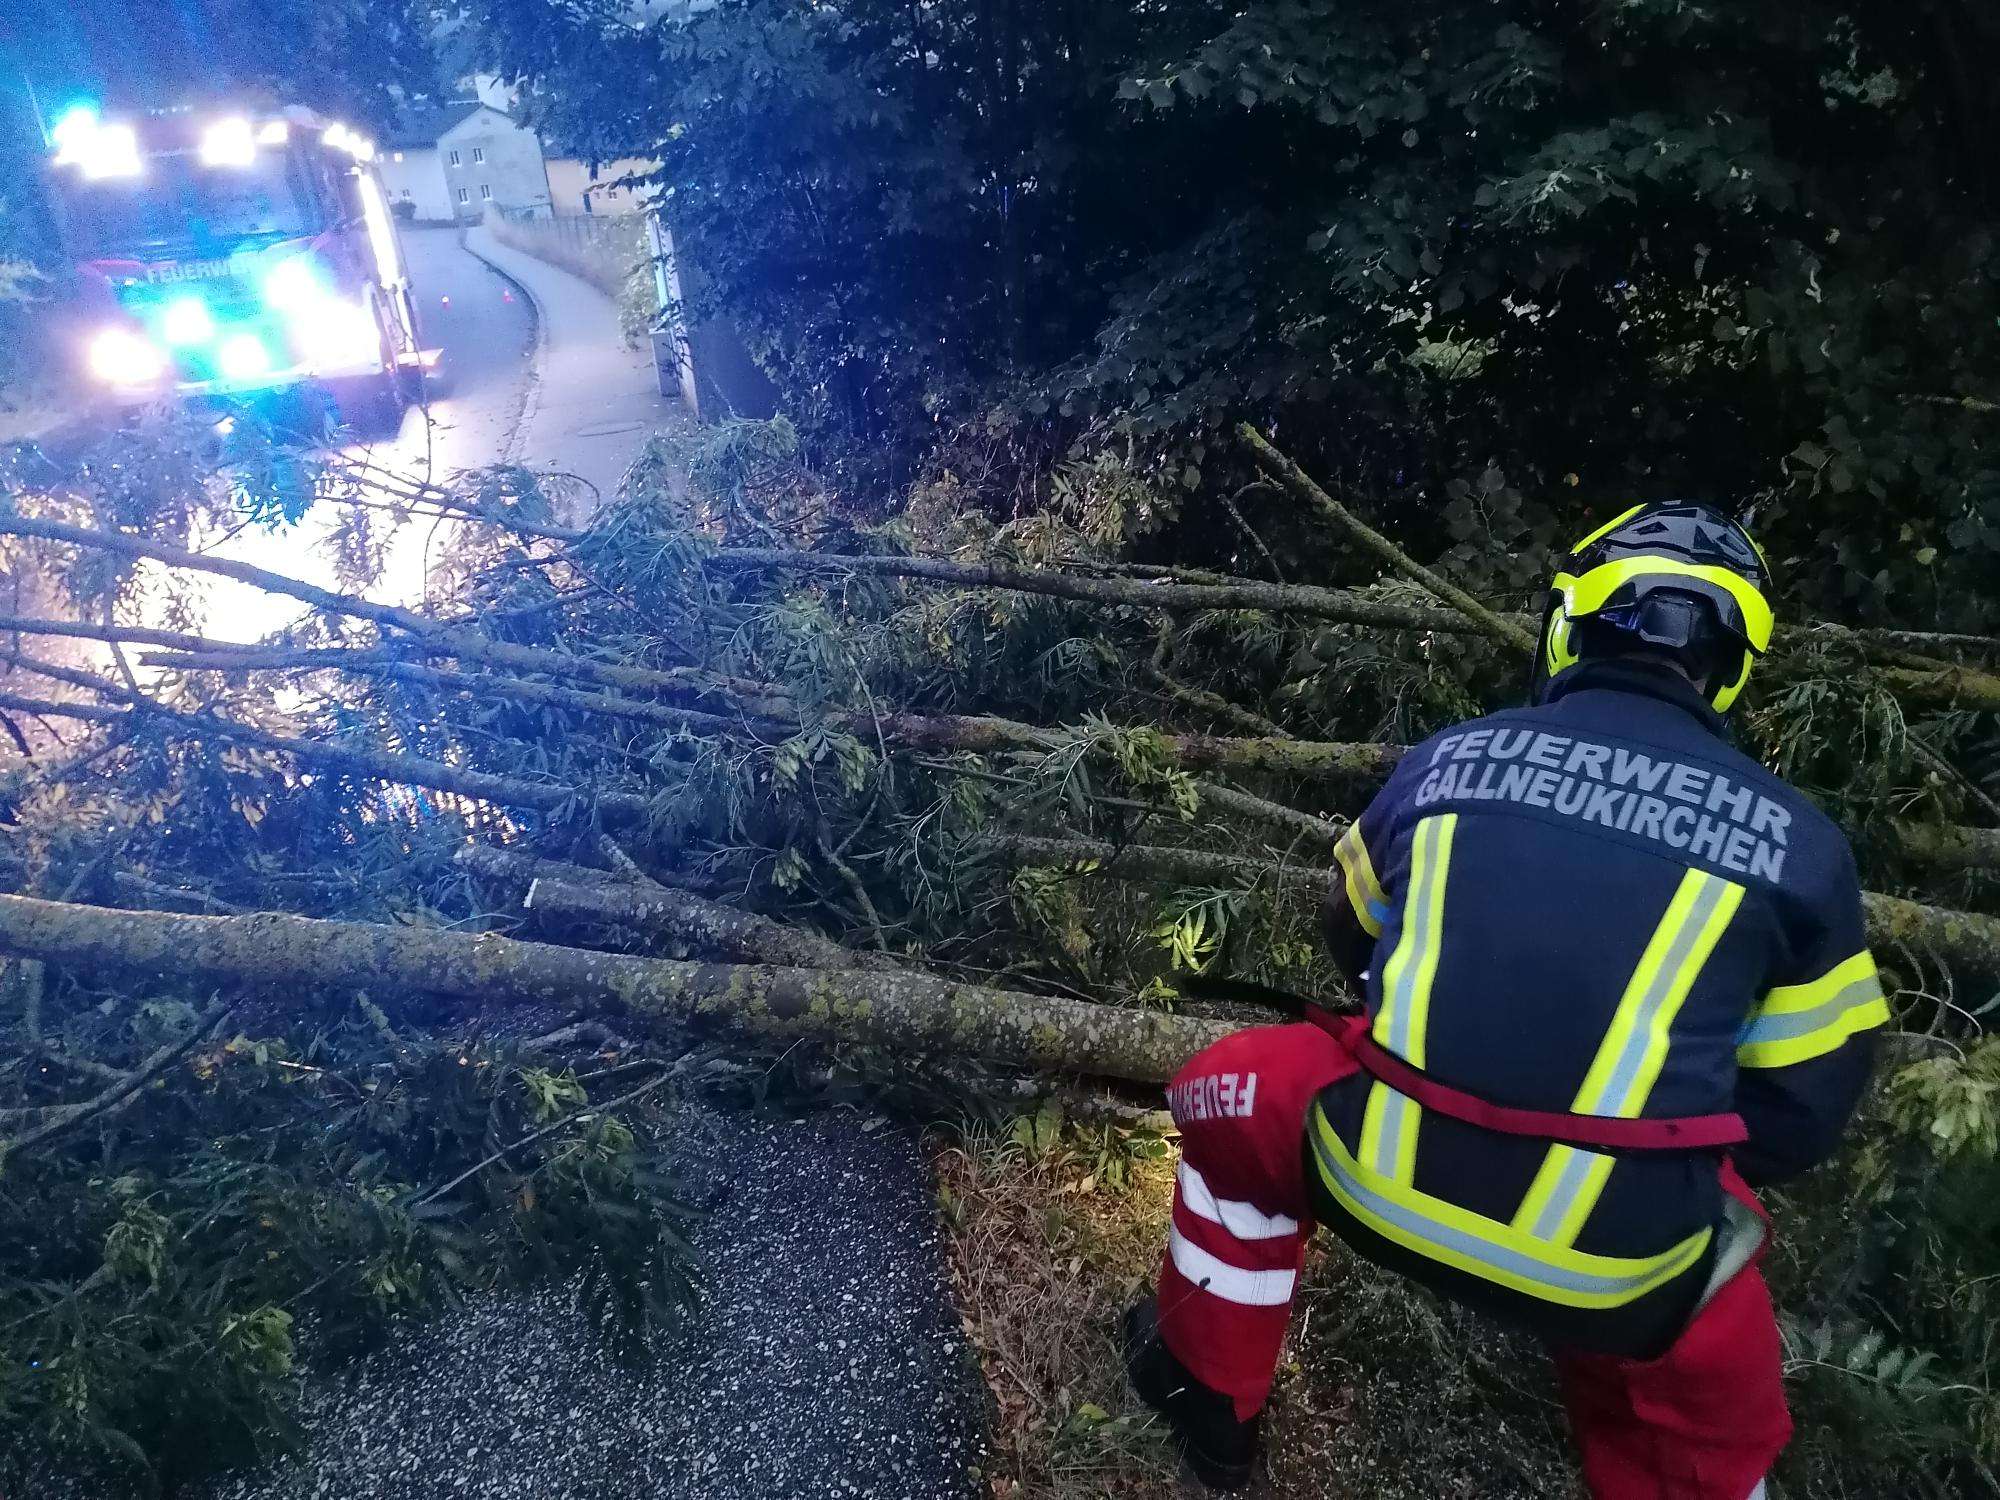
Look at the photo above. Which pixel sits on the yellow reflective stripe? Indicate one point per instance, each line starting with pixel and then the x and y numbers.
pixel 1791 998
pixel 1586 593
pixel 1634 1049
pixel 1414 1023
pixel 1616 521
pixel 1390 1123
pixel 1564 1192
pixel 1389 1133
pixel 1799 1022
pixel 1804 1049
pixel 1408 975
pixel 1364 891
pixel 1486 1248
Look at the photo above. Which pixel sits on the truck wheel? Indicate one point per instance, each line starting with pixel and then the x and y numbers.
pixel 375 407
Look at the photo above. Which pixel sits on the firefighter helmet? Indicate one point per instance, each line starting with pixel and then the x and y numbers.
pixel 1673 577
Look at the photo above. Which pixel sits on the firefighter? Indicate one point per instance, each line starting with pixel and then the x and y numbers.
pixel 1615 978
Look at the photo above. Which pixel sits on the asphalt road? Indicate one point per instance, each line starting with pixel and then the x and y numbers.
pixel 826 1361
pixel 486 326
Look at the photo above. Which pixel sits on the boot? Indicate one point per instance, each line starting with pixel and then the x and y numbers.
pixel 1218 1446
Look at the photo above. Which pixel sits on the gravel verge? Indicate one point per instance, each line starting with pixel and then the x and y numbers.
pixel 827 1359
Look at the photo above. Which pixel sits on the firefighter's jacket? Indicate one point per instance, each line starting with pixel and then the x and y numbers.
pixel 1592 906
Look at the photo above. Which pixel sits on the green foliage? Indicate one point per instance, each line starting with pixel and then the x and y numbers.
pixel 1194 928
pixel 1827 725
pixel 1951 1101
pixel 1640 250
pixel 1102 1154
pixel 338 1171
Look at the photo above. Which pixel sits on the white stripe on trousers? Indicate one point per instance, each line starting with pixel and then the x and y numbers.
pixel 1230 1283
pixel 1242 1220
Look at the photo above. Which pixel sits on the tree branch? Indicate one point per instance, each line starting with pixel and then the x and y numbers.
pixel 1301 484
pixel 402 770
pixel 1962 939
pixel 69 1116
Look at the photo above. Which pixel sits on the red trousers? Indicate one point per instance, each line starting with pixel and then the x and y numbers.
pixel 1702 1422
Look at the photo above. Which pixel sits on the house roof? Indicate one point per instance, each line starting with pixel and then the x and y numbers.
pixel 422 125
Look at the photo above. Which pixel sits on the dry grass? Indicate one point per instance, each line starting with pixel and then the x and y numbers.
pixel 1383 1394
pixel 1042 1270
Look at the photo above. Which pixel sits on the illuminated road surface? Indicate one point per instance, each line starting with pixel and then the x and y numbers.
pixel 487 330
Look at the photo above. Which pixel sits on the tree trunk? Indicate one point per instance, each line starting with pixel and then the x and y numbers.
pixel 1175 598
pixel 1227 593
pixel 578 893
pixel 1157 862
pixel 1962 940
pixel 1321 832
pixel 904 1010
pixel 1945 846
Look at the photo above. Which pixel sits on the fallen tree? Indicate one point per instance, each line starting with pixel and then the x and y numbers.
pixel 772 1003
pixel 576 893
pixel 1961 940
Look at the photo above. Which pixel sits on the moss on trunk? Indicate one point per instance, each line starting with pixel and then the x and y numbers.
pixel 903 1009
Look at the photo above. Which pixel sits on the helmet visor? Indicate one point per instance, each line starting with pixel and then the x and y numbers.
pixel 1739 608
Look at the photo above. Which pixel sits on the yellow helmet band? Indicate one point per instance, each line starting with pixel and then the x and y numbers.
pixel 1586 595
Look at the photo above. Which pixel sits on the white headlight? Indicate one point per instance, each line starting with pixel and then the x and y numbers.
pixel 229 143
pixel 119 356
pixel 106 151
pixel 187 320
pixel 243 357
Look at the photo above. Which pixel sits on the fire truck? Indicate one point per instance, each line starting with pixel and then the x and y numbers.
pixel 223 253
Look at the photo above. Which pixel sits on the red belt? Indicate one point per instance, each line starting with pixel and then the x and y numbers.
pixel 1682 1133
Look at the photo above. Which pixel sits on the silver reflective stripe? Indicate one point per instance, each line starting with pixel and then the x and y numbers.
pixel 1219 1278
pixel 1737 1240
pixel 1758 1493
pixel 1426 886
pixel 1499 1257
pixel 1614 1096
pixel 1244 1221
pixel 1575 1169
pixel 1783 1028
pixel 1399 1113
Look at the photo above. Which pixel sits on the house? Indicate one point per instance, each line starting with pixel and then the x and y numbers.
pixel 592 188
pixel 457 158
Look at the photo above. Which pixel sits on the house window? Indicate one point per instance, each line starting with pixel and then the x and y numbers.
pixel 485 190
pixel 454 158
pixel 464 196
pixel 479 153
